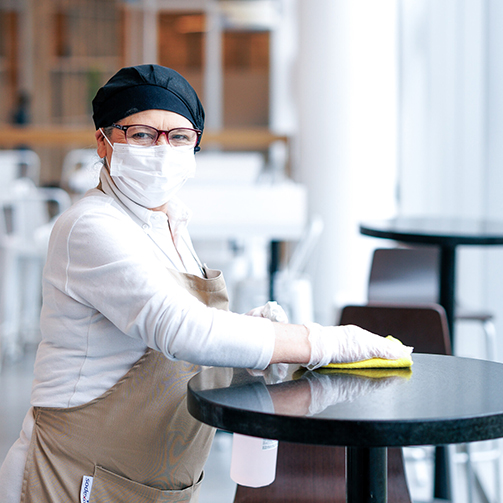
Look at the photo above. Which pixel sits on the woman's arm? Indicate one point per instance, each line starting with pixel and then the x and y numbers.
pixel 291 344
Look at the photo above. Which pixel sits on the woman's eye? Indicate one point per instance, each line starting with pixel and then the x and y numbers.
pixel 179 137
pixel 143 136
pixel 182 137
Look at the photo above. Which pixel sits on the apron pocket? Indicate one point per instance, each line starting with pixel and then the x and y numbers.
pixel 109 487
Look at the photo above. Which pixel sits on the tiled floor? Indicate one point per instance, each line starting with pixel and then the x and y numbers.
pixel 15 384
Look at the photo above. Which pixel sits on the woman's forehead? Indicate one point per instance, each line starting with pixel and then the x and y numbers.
pixel 160 119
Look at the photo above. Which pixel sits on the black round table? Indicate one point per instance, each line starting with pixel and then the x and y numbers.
pixel 443 400
pixel 447 233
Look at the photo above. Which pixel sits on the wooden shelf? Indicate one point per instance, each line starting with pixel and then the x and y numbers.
pixel 65 136
pixel 53 136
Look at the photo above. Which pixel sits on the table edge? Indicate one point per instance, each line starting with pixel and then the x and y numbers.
pixel 431 238
pixel 363 433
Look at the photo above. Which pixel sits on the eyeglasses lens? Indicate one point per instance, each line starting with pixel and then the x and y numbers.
pixel 145 136
pixel 182 138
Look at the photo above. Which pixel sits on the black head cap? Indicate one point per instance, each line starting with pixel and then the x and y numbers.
pixel 146 87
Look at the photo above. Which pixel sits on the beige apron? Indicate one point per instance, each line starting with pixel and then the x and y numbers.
pixel 137 440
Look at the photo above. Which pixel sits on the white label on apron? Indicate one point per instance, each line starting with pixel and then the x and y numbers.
pixel 269 444
pixel 85 489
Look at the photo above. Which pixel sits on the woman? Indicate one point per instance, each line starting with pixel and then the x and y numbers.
pixel 129 313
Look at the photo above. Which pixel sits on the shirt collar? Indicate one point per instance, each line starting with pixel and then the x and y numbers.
pixel 177 212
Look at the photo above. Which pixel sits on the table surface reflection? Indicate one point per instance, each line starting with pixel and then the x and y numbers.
pixel 442 400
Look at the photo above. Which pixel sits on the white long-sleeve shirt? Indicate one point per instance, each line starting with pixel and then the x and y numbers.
pixel 108 296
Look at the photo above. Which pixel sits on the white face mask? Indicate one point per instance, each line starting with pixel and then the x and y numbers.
pixel 149 176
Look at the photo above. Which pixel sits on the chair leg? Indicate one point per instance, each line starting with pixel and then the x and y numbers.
pixel 10 297
pixel 490 335
pixel 470 473
pixel 497 471
pixel 419 463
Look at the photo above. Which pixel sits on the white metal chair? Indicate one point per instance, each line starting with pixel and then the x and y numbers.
pixel 80 170
pixel 25 225
pixel 18 164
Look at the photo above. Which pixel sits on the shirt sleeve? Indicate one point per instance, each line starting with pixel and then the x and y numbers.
pixel 105 261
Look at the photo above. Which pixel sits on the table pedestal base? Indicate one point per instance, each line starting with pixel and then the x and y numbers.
pixel 366 475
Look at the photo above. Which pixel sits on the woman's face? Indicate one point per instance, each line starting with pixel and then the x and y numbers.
pixel 160 119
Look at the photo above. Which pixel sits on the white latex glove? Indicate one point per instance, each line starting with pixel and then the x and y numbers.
pixel 272 310
pixel 349 343
pixel 327 390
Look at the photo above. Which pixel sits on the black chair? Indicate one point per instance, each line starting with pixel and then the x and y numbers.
pixel 304 473
pixel 315 474
pixel 410 276
pixel 422 327
pixel 425 328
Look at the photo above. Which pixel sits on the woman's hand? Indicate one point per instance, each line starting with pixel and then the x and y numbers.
pixel 349 343
pixel 271 310
pixel 314 346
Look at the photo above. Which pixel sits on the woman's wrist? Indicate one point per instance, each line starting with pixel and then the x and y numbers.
pixel 291 344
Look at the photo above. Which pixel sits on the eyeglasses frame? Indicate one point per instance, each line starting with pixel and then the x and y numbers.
pixel 159 132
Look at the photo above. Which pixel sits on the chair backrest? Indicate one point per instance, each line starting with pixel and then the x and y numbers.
pixel 26 208
pixel 405 275
pixel 17 164
pixel 424 327
pixel 80 170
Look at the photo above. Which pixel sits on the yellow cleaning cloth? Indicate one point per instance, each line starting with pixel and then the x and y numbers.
pixel 374 363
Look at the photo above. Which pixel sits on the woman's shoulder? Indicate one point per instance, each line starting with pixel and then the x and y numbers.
pixel 95 214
